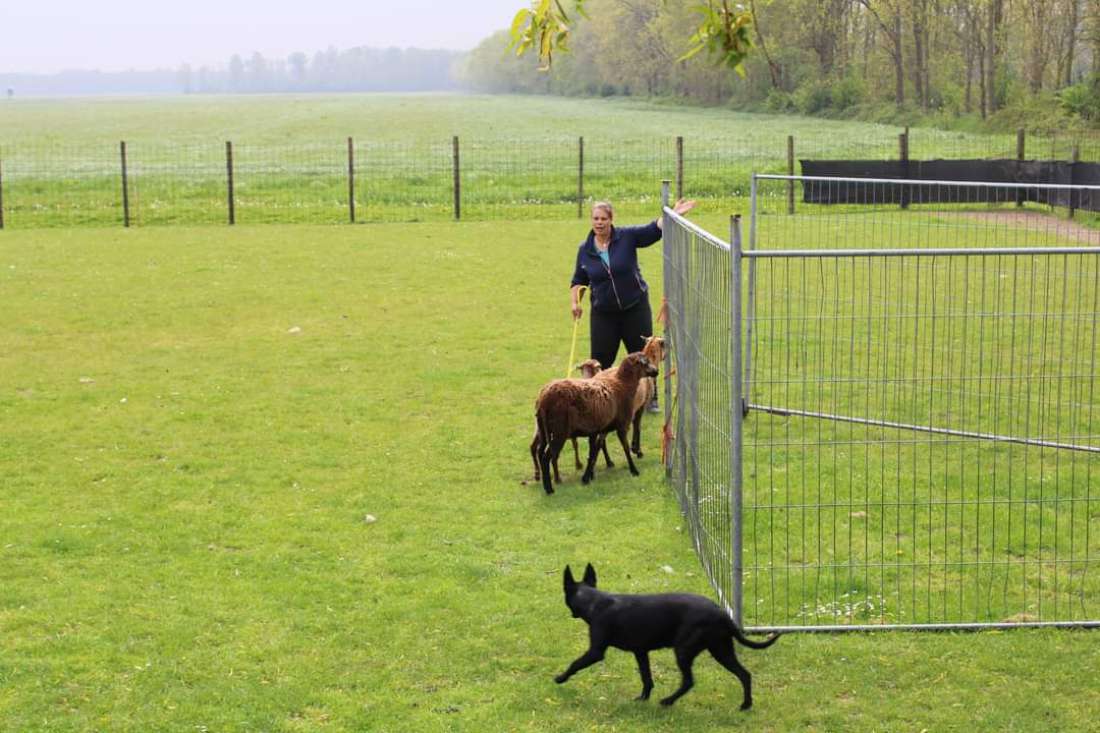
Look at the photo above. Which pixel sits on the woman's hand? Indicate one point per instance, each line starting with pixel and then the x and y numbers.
pixel 683 206
pixel 576 294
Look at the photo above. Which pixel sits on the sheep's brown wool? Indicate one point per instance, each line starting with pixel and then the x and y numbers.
pixel 654 350
pixel 588 369
pixel 589 407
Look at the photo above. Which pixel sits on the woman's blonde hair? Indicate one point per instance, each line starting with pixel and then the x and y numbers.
pixel 606 206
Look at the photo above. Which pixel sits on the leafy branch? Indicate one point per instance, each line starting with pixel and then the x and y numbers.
pixel 723 32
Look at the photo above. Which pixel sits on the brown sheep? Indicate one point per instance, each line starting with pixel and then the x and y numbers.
pixel 654 349
pixel 588 369
pixel 589 407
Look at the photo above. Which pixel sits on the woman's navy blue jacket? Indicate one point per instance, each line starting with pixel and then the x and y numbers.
pixel 620 286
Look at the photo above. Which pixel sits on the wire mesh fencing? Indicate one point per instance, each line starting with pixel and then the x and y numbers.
pixel 360 179
pixel 699 459
pixel 918 409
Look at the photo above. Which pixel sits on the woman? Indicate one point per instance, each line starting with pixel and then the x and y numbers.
pixel 607 264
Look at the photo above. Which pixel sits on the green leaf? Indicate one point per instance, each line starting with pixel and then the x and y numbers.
pixel 519 20
pixel 692 52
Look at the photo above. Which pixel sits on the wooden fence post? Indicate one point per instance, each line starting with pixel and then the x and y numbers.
pixel 903 155
pixel 457 179
pixel 679 167
pixel 1075 157
pixel 1019 159
pixel 125 186
pixel 229 180
pixel 580 177
pixel 790 172
pixel 351 180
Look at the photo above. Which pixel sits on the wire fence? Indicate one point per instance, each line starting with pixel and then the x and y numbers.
pixel 148 182
pixel 911 398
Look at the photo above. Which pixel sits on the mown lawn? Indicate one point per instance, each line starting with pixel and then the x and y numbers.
pixel 197 422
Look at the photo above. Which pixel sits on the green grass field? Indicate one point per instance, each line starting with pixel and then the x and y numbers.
pixel 519 156
pixel 199 420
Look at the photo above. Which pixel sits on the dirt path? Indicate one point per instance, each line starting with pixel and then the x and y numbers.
pixel 1036 221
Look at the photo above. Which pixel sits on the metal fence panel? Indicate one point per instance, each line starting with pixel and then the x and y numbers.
pixel 922 440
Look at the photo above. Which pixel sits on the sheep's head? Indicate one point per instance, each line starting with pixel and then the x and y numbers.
pixel 637 365
pixel 654 349
pixel 589 368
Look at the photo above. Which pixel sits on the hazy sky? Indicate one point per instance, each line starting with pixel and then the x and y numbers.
pixel 51 35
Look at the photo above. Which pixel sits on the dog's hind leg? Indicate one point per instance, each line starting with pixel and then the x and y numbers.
pixel 647 676
pixel 685 657
pixel 722 650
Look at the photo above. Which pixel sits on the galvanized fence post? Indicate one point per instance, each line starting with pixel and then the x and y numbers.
pixel 666 246
pixel 753 191
pixel 351 180
pixel 229 181
pixel 125 186
pixel 736 420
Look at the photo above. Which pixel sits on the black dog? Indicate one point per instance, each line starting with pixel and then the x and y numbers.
pixel 641 623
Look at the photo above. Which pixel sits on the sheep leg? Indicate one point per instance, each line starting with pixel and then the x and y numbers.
pixel 603 447
pixel 549 456
pixel 536 449
pixel 593 451
pixel 636 438
pixel 621 432
pixel 576 456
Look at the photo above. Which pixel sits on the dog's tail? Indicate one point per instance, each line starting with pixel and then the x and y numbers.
pixel 737 634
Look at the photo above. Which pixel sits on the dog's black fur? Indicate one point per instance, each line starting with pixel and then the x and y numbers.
pixel 641 623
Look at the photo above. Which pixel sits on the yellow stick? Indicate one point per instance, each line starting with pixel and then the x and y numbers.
pixel 576 322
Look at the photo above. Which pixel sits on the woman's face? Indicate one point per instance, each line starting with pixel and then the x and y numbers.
pixel 601 222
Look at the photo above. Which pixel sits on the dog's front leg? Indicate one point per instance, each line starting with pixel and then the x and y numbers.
pixel 647 677
pixel 590 657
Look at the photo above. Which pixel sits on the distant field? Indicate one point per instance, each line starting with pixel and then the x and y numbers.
pixel 418 118
pixel 519 155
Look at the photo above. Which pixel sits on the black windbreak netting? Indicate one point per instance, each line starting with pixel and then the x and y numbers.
pixel 951 171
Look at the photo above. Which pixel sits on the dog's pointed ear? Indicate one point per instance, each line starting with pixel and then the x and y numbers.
pixel 589 578
pixel 567 580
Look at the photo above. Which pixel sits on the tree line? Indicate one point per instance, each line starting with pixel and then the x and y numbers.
pixel 1031 62
pixel 360 69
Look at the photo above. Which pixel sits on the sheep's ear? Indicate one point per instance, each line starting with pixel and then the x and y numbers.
pixel 589 578
pixel 567 580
